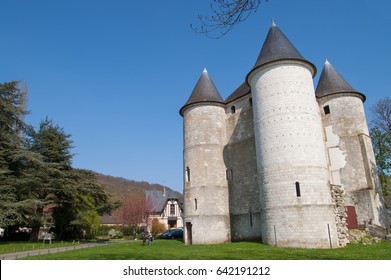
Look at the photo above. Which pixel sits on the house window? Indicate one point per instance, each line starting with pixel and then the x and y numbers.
pixel 233 109
pixel 172 209
pixel 188 174
pixel 326 109
pixel 195 204
pixel 297 189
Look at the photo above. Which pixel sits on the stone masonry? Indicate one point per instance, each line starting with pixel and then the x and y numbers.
pixel 277 160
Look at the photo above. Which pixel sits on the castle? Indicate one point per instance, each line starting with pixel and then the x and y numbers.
pixel 276 160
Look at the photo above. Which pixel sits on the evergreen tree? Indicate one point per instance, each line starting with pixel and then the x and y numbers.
pixel 81 198
pixel 14 159
pixel 71 195
pixel 38 186
pixel 52 145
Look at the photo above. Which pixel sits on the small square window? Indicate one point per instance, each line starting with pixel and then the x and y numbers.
pixel 326 110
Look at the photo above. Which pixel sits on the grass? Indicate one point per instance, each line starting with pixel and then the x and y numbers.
pixel 12 247
pixel 176 250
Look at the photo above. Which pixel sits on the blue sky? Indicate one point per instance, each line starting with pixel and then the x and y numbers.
pixel 114 73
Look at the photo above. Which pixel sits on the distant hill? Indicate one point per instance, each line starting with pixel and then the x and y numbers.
pixel 119 187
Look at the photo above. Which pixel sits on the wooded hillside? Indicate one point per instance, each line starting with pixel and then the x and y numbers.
pixel 119 187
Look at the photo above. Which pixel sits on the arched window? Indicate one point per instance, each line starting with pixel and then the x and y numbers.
pixel 195 204
pixel 233 109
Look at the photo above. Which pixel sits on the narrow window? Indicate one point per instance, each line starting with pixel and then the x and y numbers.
pixel 172 209
pixel 326 109
pixel 195 204
pixel 298 189
pixel 233 109
pixel 251 218
pixel 188 174
pixel 229 174
pixel 251 101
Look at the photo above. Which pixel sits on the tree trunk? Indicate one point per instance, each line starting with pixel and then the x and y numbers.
pixel 35 232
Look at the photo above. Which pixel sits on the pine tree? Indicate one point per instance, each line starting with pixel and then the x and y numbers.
pixel 14 159
pixel 38 186
pixel 66 194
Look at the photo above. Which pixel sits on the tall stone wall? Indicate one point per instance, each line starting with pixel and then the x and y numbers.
pixel 206 188
pixel 240 160
pixel 297 209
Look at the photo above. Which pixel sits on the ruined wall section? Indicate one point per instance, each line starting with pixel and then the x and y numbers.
pixel 240 160
pixel 352 161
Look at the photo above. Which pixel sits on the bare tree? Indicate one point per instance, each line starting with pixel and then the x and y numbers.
pixel 381 138
pixel 225 15
pixel 381 115
pixel 135 210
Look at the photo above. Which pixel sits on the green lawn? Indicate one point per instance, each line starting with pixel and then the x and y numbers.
pixel 176 250
pixel 12 247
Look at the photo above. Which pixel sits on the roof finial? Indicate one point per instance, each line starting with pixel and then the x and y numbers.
pixel 205 71
pixel 273 22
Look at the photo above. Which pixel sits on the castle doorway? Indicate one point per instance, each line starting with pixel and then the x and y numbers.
pixel 189 234
pixel 351 219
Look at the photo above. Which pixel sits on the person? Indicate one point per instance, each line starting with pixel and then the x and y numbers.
pixel 150 239
pixel 144 237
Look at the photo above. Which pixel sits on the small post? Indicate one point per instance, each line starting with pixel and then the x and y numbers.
pixel 328 228
pixel 275 235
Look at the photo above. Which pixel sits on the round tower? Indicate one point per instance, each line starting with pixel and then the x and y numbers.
pixel 205 184
pixel 349 147
pixel 296 204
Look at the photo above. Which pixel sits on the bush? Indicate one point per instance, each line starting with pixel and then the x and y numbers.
pixel 114 234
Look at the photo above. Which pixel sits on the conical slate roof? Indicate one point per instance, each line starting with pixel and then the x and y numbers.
pixel 204 91
pixel 278 47
pixel 331 82
pixel 242 90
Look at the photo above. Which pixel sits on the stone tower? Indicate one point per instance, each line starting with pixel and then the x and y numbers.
pixel 296 205
pixel 349 147
pixel 276 160
pixel 205 183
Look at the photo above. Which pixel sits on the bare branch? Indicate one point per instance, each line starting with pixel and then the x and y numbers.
pixel 226 14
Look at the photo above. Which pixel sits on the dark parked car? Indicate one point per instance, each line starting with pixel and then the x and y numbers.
pixel 172 234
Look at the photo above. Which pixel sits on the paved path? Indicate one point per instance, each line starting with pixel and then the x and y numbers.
pixel 17 255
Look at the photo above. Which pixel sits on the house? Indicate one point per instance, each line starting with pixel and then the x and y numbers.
pixel 166 208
